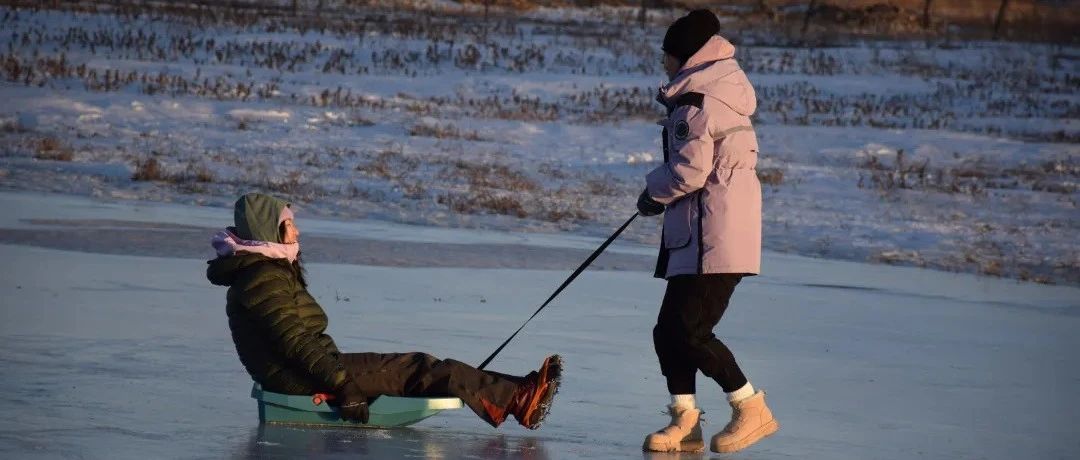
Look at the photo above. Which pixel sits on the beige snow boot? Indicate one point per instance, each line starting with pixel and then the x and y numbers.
pixel 751 420
pixel 682 435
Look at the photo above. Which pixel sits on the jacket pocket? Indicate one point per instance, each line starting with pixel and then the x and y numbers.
pixel 677 222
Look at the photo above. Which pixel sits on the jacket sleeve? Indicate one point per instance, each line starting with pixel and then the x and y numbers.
pixel 268 298
pixel 690 158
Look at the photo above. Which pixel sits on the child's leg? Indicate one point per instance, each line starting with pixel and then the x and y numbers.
pixel 420 374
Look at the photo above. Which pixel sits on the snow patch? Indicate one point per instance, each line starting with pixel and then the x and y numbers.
pixel 254 115
pixel 640 157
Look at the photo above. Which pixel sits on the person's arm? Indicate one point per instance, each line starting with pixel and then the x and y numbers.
pixel 690 159
pixel 266 296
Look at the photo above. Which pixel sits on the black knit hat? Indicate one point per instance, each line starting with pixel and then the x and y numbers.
pixel 689 33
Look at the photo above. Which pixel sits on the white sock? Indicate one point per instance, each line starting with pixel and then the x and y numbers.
pixel 683 401
pixel 742 393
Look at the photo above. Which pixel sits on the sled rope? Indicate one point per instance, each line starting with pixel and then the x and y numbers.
pixel 566 283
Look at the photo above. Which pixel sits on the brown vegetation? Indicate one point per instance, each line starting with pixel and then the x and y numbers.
pixel 1013 19
pixel 444 131
pixel 956 94
pixel 148 169
pixel 771 176
pixel 971 178
pixel 390 164
pixel 50 148
pixel 484 201
pixel 152 170
pixel 488 176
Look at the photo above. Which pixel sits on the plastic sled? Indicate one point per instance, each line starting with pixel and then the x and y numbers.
pixel 386 411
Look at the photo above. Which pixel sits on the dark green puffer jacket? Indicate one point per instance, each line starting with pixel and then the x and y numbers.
pixel 277 326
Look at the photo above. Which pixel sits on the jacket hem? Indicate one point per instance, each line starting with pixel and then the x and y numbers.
pixel 693 270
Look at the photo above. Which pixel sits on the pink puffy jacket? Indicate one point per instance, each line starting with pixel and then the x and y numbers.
pixel 708 181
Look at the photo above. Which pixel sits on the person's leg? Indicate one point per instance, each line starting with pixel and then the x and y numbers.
pixel 420 374
pixel 751 418
pixel 707 302
pixel 683 433
pixel 518 379
pixel 668 338
pixel 493 395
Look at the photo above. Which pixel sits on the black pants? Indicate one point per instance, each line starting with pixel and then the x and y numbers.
pixel 683 336
pixel 420 374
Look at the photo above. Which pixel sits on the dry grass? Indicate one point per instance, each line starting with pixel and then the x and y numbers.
pixel 488 176
pixel 148 170
pixel 489 188
pixel 12 126
pixel 973 178
pixel 562 209
pixel 444 131
pixel 484 202
pixel 152 170
pixel 291 183
pixel 771 176
pixel 454 41
pixel 492 188
pixel 199 172
pixel 391 164
pixel 603 186
pixel 1025 19
pixel 51 149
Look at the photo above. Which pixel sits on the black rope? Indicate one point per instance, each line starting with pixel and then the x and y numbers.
pixel 566 283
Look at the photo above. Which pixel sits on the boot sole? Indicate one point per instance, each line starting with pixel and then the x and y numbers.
pixel 685 446
pixel 761 433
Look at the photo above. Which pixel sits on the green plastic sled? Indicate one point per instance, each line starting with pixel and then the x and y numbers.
pixel 386 411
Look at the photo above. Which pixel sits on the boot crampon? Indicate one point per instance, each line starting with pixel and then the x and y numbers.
pixel 532 401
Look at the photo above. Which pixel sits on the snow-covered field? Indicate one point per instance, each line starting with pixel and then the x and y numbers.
pixel 120 356
pixel 952 155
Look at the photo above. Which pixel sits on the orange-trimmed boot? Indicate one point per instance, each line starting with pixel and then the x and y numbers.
pixel 682 435
pixel 532 401
pixel 751 420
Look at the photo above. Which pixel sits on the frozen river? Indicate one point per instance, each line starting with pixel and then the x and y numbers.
pixel 106 355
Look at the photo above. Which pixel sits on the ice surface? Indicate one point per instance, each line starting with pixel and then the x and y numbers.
pixel 108 356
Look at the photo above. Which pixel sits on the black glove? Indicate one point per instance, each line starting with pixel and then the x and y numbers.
pixel 352 404
pixel 647 206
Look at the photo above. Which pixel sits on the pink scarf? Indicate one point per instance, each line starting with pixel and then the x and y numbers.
pixel 226 244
